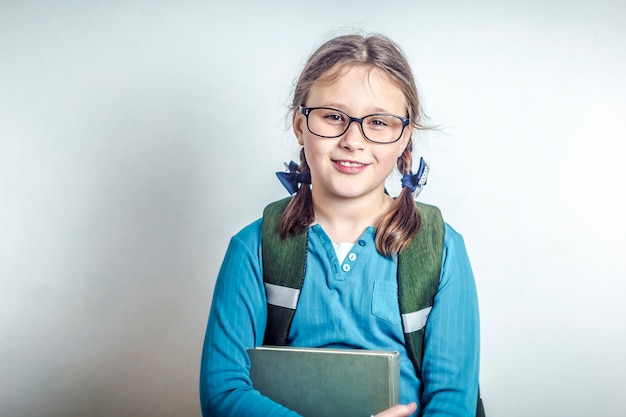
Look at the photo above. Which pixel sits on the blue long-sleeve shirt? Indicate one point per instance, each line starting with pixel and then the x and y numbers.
pixel 353 304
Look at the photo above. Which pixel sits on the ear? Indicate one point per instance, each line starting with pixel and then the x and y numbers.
pixel 299 124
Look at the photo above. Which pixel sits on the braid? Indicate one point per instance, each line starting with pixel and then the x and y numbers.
pixel 298 215
pixel 400 224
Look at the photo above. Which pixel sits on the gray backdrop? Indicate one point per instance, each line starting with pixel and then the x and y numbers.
pixel 137 136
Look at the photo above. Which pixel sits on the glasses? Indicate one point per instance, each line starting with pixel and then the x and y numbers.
pixel 327 122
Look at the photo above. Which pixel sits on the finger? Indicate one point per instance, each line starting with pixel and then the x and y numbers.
pixel 400 410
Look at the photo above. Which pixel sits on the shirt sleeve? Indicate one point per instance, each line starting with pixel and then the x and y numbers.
pixel 236 322
pixel 452 340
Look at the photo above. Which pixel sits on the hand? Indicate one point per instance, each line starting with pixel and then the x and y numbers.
pixel 400 410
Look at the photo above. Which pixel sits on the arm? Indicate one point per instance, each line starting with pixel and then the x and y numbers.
pixel 236 323
pixel 451 342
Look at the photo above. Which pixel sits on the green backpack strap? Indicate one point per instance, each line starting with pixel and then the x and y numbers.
pixel 419 269
pixel 284 265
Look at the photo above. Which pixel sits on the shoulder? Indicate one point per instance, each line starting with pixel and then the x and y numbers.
pixel 249 236
pixel 453 244
pixel 451 235
pixel 454 257
pixel 455 260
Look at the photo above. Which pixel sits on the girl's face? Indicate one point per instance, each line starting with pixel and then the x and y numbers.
pixel 350 166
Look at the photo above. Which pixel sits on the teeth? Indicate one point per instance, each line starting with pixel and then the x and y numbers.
pixel 350 164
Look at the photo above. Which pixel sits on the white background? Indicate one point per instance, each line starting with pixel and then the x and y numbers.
pixel 137 136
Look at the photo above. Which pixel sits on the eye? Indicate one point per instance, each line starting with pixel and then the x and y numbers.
pixel 378 122
pixel 334 117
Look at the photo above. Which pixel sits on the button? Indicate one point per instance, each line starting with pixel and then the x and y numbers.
pixel 345 267
pixel 352 256
pixel 361 242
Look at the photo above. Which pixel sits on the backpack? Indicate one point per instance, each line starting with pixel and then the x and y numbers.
pixel 419 269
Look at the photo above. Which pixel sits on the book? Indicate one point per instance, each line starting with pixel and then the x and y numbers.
pixel 322 382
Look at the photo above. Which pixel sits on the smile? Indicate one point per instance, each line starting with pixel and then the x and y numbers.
pixel 350 167
pixel 350 164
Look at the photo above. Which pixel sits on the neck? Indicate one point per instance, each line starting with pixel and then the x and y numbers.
pixel 344 220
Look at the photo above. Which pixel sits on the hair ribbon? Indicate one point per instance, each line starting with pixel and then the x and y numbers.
pixel 293 178
pixel 418 180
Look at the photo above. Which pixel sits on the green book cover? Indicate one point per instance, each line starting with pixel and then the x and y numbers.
pixel 318 382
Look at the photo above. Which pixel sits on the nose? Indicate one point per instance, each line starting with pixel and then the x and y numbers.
pixel 353 138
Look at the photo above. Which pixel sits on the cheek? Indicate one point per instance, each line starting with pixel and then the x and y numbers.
pixel 393 162
pixel 388 160
pixel 310 150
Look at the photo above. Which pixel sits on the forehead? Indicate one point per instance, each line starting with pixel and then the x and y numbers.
pixel 358 83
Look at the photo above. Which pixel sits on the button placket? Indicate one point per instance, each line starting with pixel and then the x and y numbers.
pixel 351 257
pixel 346 267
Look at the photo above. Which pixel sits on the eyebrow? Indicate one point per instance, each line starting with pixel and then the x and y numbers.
pixel 341 107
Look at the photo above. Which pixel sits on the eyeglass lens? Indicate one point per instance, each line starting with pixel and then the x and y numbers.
pixel 333 123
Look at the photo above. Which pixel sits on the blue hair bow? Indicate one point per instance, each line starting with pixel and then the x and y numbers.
pixel 418 180
pixel 291 179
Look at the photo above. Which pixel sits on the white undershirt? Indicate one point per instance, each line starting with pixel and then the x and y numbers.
pixel 342 249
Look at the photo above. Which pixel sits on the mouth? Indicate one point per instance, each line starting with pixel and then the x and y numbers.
pixel 349 167
pixel 350 164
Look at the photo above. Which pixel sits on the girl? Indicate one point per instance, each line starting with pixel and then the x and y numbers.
pixel 355 107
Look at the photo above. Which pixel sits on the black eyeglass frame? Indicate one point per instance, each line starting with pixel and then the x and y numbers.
pixel 307 110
